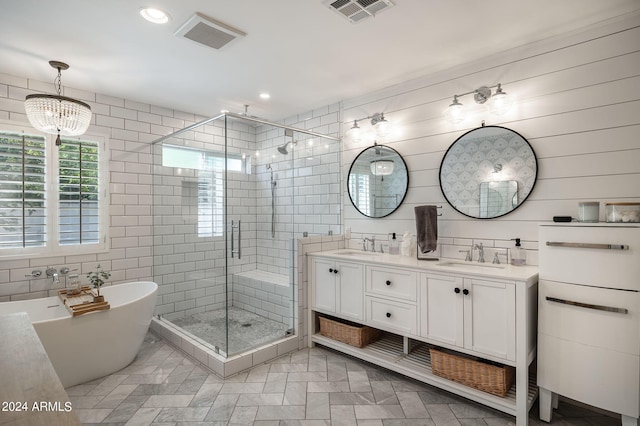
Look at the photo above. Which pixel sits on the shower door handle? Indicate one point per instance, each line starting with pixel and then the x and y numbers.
pixel 234 250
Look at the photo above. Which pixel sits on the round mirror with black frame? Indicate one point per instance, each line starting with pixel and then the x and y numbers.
pixel 488 172
pixel 378 181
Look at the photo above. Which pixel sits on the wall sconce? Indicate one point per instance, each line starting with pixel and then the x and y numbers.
pixel 498 103
pixel 379 123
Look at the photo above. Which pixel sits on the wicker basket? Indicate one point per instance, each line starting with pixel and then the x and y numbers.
pixel 493 379
pixel 351 334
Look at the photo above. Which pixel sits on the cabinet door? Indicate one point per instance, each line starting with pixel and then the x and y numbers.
pixel 490 318
pixel 324 285
pixel 442 310
pixel 350 287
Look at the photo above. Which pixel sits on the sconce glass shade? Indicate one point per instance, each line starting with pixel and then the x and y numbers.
pixel 355 133
pixel 382 127
pixel 381 167
pixel 58 114
pixel 455 113
pixel 500 103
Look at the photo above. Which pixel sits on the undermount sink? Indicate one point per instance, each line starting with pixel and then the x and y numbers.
pixel 464 265
pixel 356 253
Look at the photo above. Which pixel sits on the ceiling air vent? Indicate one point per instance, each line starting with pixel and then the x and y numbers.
pixel 358 10
pixel 208 31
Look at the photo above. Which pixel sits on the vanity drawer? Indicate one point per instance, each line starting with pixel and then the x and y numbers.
pixel 589 255
pixel 392 316
pixel 397 283
pixel 592 316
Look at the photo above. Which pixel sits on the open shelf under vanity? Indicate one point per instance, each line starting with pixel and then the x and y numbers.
pixel 389 352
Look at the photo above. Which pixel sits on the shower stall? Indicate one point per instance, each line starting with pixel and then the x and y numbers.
pixel 231 196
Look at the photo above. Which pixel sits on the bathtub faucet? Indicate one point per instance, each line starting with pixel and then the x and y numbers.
pixel 53 274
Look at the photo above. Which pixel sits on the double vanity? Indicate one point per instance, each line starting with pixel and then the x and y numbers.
pixel 482 310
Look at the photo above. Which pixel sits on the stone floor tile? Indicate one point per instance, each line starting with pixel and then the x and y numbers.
pixel 328 387
pixel 191 385
pixel 432 395
pixel 108 385
pixel 84 401
pixel 243 415
pixel 365 412
pixel 258 374
pixel 470 410
pixel 442 414
pixel 337 372
pixel 257 399
pixel 93 415
pixel 287 368
pixel 318 406
pixel 188 414
pixel 384 393
pixel 144 416
pixel 242 388
pixel 222 407
pixel 126 409
pixel 295 393
pixel 317 363
pixel 342 415
pixel 374 422
pixel 315 376
pixel 283 412
pixel 119 394
pixel 412 405
pixel 351 398
pixel 162 401
pixel 206 395
pixel 408 422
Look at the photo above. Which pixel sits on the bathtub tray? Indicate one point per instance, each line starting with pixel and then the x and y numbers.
pixel 82 303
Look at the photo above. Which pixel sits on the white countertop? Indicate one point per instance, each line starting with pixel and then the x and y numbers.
pixel 443 265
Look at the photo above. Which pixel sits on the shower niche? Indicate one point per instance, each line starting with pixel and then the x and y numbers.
pixel 231 196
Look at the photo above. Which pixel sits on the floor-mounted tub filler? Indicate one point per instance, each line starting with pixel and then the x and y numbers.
pixel 93 345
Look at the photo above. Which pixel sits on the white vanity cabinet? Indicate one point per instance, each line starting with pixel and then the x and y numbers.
pixel 476 314
pixel 484 311
pixel 337 288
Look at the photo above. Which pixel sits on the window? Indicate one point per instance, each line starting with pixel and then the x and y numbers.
pixel 52 199
pixel 210 187
pixel 360 192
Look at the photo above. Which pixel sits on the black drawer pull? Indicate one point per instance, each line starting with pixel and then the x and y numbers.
pixel 335 271
pixel 588 305
pixel 388 282
pixel 465 291
pixel 388 314
pixel 330 269
pixel 457 290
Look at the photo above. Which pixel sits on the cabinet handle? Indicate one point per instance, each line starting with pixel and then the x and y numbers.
pixel 388 314
pixel 465 291
pixel 388 282
pixel 335 271
pixel 330 269
pixel 588 245
pixel 457 290
pixel 589 305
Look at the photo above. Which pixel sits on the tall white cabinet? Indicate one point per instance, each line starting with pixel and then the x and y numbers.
pixel 589 317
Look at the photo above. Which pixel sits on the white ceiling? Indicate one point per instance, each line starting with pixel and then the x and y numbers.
pixel 301 52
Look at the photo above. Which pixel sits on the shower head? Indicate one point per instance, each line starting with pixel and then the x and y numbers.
pixel 283 149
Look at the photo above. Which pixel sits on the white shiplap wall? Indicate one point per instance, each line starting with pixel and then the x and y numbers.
pixel 577 103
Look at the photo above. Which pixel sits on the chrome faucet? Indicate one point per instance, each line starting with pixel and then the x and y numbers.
pixel 480 252
pixel 53 274
pixel 373 243
pixel 468 256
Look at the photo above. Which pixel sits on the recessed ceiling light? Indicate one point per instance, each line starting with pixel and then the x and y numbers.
pixel 154 15
pixel 264 96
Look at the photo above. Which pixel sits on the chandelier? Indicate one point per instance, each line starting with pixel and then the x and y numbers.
pixel 57 114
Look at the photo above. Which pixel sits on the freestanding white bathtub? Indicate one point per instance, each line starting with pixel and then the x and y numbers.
pixel 96 344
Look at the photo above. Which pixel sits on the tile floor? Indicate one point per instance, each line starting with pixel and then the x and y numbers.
pixel 310 387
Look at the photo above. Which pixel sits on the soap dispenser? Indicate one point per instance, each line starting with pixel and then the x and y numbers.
pixel 394 247
pixel 518 254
